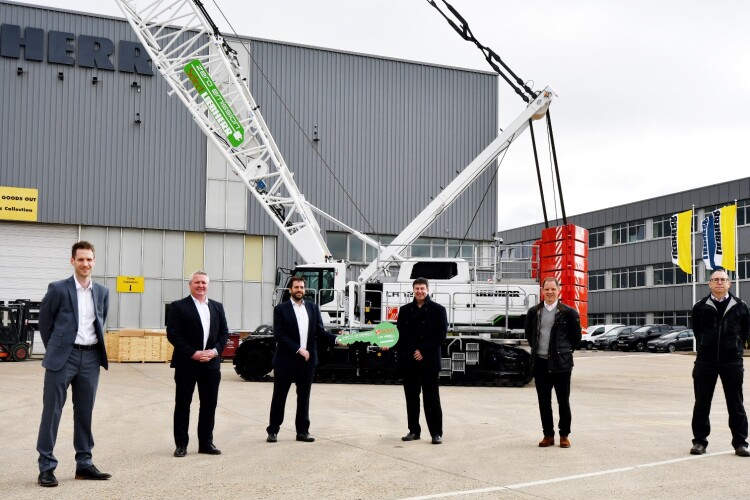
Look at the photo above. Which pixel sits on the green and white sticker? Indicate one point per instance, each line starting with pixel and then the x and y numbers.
pixel 216 103
pixel 384 335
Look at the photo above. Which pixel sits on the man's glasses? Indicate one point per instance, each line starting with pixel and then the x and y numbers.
pixel 720 280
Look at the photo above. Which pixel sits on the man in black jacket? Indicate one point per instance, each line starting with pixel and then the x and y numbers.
pixel 197 328
pixel 721 323
pixel 422 326
pixel 553 331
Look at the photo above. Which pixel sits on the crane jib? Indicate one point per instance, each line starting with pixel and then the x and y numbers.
pixel 215 102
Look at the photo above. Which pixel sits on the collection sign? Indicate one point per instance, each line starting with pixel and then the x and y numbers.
pixel 19 203
pixel 130 284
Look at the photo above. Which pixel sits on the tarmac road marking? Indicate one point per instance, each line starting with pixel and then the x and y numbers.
pixel 512 487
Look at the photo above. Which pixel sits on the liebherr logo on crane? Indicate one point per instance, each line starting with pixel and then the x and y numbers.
pixel 217 105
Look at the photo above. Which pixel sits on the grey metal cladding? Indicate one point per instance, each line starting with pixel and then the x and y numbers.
pixel 78 143
pixel 392 132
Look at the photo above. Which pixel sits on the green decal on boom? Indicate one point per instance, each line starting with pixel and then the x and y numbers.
pixel 384 335
pixel 216 103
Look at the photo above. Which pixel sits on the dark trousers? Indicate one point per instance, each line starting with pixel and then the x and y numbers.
pixel 705 375
pixel 186 379
pixel 545 381
pixel 81 372
pixel 302 377
pixel 427 382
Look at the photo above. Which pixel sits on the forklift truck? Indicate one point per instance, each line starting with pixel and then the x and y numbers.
pixel 16 334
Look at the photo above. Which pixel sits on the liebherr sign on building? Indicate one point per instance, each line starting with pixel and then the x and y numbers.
pixel 68 48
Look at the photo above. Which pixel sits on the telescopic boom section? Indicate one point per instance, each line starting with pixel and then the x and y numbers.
pixel 203 72
pixel 534 111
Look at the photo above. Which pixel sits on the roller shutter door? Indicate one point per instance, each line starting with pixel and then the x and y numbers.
pixel 32 255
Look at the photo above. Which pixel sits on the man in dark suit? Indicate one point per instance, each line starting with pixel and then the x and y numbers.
pixel 422 326
pixel 297 324
pixel 553 331
pixel 71 323
pixel 197 328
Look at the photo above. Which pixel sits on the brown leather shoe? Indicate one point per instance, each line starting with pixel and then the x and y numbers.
pixel 564 442
pixel 547 441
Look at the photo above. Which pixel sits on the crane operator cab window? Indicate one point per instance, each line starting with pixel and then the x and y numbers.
pixel 318 285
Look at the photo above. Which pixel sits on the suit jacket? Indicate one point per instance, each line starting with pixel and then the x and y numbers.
pixel 185 332
pixel 286 333
pixel 58 321
pixel 424 329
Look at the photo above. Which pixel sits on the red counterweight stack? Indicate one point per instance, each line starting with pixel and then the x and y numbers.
pixel 564 254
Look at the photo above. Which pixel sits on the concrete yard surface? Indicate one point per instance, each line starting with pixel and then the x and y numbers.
pixel 630 439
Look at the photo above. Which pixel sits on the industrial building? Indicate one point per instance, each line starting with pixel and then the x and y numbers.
pixel 630 273
pixel 101 152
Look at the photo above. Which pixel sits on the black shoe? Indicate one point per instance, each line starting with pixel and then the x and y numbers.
pixel 209 449
pixel 304 436
pixel 742 451
pixel 91 472
pixel 437 440
pixel 271 437
pixel 180 451
pixel 698 449
pixel 47 478
pixel 412 436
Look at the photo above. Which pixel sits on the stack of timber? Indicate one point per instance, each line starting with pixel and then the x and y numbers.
pixel 136 345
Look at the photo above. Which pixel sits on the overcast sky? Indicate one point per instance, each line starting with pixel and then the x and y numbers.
pixel 653 95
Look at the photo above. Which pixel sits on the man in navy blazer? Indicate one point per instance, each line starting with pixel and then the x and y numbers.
pixel 71 323
pixel 297 324
pixel 197 328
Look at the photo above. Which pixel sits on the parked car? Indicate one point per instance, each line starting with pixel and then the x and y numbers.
pixel 638 338
pixel 609 339
pixel 681 340
pixel 593 332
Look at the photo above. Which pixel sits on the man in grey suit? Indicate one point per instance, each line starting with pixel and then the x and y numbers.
pixel 71 323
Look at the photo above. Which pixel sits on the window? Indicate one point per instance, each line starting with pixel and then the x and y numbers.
pixel 673 318
pixel 596 237
pixel 629 277
pixel 628 232
pixel 597 319
pixel 337 245
pixel 629 318
pixel 743 267
pixel 596 280
pixel 661 227
pixel 743 212
pixel 669 274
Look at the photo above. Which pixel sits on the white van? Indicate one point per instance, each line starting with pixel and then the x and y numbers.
pixel 592 332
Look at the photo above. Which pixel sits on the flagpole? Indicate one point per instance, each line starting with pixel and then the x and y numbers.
pixel 736 251
pixel 692 250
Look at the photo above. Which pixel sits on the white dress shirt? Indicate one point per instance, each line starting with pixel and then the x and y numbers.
pixel 205 315
pixel 86 315
pixel 551 307
pixel 303 322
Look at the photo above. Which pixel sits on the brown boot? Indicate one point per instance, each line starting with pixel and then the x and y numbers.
pixel 564 442
pixel 547 441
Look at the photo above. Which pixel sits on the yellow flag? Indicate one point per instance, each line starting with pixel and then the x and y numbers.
pixel 727 222
pixel 682 239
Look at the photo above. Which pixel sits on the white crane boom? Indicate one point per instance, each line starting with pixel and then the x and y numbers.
pixel 535 110
pixel 200 67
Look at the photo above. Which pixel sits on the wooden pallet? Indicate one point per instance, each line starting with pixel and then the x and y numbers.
pixel 138 346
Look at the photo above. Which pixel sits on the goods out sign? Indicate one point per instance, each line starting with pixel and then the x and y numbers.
pixel 18 203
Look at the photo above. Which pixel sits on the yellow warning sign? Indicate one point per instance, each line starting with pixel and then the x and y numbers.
pixel 18 203
pixel 130 284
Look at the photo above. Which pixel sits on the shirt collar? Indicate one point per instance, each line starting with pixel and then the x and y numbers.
pixel 79 286
pixel 198 302
pixel 717 299
pixel 551 307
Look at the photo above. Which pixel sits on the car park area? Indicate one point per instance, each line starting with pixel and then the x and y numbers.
pixel 625 444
